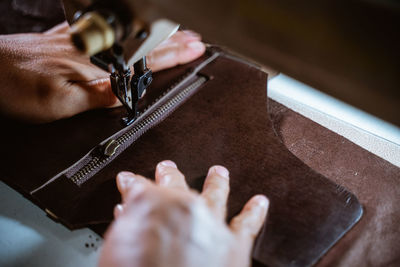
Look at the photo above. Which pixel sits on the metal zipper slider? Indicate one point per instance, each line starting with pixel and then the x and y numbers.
pixel 110 147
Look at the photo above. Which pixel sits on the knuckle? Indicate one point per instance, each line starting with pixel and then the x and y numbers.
pixel 218 193
pixel 244 222
pixel 213 198
pixel 182 204
pixel 137 193
pixel 218 184
pixel 236 222
pixel 217 206
pixel 216 202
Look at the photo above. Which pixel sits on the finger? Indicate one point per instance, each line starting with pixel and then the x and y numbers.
pixel 168 175
pixel 216 190
pixel 185 36
pixel 99 93
pixel 174 53
pixel 127 180
pixel 92 85
pixel 73 98
pixel 78 69
pixel 60 28
pixel 188 35
pixel 248 223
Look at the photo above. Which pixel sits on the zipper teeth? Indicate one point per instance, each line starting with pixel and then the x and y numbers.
pixel 93 164
pixel 160 111
pixel 144 124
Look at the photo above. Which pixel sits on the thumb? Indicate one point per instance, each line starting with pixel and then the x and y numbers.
pixel 60 28
pixel 93 94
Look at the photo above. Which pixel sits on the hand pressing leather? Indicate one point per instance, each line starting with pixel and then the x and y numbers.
pixel 167 224
pixel 44 78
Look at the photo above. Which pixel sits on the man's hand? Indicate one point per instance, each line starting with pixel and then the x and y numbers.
pixel 44 78
pixel 167 224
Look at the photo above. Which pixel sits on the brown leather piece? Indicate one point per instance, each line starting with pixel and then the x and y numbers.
pixel 375 240
pixel 226 122
pixel 35 153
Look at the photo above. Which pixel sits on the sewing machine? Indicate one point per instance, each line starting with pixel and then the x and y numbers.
pixel 338 50
pixel 334 46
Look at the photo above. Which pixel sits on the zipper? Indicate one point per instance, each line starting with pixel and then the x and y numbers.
pixel 106 152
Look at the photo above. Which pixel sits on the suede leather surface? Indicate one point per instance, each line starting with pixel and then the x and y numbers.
pixel 226 122
pixel 375 240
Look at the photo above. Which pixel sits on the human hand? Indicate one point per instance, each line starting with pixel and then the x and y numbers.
pixel 44 78
pixel 167 224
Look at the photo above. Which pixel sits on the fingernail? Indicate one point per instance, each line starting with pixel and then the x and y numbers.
pixel 221 171
pixel 196 46
pixel 261 201
pixel 125 179
pixel 168 163
pixel 191 33
pixel 118 210
pixel 119 207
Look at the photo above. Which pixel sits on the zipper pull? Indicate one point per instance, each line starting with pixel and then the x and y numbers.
pixel 110 147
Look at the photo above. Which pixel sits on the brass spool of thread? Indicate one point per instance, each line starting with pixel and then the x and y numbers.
pixel 92 34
